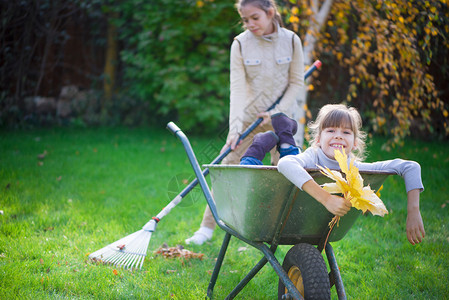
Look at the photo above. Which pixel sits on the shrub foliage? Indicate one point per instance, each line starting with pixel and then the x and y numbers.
pixel 391 58
pixel 177 56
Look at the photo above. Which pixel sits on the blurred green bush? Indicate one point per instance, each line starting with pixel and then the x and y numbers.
pixel 177 57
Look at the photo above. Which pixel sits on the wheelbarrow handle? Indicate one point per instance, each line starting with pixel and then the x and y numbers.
pixel 173 127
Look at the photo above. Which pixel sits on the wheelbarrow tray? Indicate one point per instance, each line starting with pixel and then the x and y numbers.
pixel 262 205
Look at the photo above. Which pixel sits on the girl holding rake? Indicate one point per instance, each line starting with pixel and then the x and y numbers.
pixel 266 64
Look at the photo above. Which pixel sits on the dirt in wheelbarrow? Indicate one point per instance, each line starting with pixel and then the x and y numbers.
pixel 178 251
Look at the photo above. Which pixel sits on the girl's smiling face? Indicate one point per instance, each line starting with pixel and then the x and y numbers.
pixel 332 138
pixel 257 20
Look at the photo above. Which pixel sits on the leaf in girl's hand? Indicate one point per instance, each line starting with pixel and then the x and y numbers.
pixel 362 198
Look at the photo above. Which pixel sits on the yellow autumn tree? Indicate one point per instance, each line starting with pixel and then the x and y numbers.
pixel 386 48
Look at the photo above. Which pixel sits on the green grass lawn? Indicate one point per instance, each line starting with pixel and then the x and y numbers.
pixel 95 186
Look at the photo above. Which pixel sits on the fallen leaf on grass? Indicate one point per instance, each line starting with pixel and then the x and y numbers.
pixel 178 251
pixel 42 155
pixel 115 272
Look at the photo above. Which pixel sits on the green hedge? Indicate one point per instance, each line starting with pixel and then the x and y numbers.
pixel 177 57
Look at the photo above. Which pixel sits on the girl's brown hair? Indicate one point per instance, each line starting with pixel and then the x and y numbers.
pixel 264 5
pixel 339 115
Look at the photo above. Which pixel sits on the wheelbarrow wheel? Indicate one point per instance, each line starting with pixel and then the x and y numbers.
pixel 307 270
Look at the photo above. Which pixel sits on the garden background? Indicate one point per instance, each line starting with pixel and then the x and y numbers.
pixel 87 86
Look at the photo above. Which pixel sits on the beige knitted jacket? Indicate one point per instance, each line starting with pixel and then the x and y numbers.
pixel 262 70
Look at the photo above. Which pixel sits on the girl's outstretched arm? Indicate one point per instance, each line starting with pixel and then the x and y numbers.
pixel 415 225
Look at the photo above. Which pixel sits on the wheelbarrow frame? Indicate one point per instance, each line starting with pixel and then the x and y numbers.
pixel 268 248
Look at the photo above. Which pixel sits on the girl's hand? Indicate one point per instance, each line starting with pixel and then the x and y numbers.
pixel 338 206
pixel 231 142
pixel 266 117
pixel 415 227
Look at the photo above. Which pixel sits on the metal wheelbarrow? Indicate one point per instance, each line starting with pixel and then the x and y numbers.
pixel 259 206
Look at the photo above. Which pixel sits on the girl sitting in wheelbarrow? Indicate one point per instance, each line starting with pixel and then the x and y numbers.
pixel 339 127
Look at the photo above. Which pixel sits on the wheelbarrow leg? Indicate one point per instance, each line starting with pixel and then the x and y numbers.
pixel 292 290
pixel 250 275
pixel 221 254
pixel 335 276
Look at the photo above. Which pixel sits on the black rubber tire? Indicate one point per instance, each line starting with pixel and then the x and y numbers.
pixel 315 279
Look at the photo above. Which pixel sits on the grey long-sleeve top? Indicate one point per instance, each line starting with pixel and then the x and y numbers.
pixel 293 168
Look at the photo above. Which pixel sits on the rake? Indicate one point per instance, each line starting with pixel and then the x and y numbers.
pixel 130 251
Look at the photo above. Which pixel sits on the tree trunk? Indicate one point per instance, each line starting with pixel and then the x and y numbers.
pixel 317 21
pixel 110 65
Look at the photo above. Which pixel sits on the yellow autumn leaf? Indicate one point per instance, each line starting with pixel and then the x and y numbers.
pixel 378 191
pixel 293 19
pixel 361 197
pixel 331 187
pixel 377 207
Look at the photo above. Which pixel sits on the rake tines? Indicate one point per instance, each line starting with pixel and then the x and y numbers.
pixel 128 252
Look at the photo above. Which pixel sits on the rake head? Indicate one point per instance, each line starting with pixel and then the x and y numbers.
pixel 128 252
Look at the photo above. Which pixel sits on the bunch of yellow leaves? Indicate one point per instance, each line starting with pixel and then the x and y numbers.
pixel 352 188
